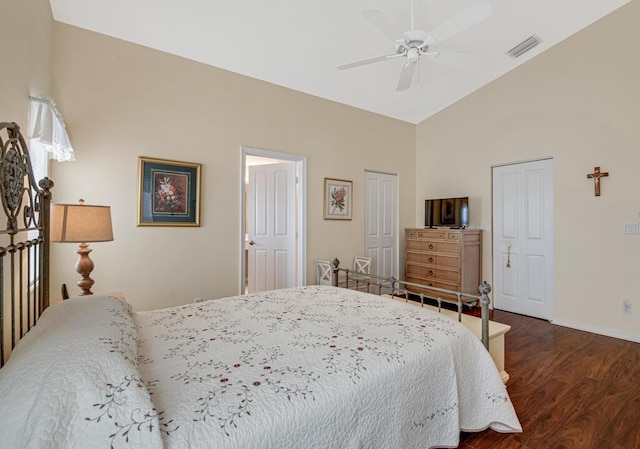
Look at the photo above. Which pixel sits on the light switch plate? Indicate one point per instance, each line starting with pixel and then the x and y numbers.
pixel 631 228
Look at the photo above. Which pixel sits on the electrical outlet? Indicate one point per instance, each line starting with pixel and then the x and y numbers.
pixel 626 307
pixel 631 228
pixel 197 300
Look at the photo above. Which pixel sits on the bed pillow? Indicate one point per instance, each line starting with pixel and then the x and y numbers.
pixel 72 382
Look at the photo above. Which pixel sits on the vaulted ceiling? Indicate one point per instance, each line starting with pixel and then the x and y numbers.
pixel 299 44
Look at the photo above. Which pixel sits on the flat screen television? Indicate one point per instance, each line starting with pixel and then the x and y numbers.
pixel 447 212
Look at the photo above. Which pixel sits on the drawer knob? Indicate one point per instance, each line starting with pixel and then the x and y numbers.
pixel 430 245
pixel 430 272
pixel 430 284
pixel 430 259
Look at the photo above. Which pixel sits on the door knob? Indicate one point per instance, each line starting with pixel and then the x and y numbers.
pixel 252 243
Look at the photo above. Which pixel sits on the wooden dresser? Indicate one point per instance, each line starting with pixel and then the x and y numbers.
pixel 444 258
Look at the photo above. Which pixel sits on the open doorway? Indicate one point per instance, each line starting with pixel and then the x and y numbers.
pixel 273 243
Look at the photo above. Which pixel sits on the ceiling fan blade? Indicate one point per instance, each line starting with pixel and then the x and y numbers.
pixel 460 22
pixel 406 76
pixel 383 23
pixel 353 64
pixel 457 60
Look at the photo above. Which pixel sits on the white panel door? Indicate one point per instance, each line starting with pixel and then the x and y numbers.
pixel 271 227
pixel 523 238
pixel 381 212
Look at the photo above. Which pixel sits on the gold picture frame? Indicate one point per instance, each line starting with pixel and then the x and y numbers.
pixel 338 197
pixel 168 192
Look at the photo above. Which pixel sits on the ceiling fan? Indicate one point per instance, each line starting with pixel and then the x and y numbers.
pixel 416 43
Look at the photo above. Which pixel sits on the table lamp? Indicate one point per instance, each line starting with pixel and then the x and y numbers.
pixel 80 223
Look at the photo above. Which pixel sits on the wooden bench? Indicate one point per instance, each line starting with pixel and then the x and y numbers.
pixel 497 332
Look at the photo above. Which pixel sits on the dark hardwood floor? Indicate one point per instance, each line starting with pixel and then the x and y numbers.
pixel 571 389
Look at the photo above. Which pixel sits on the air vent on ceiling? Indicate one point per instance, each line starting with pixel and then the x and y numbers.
pixel 524 46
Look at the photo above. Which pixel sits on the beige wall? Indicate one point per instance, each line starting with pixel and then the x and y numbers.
pixel 25 49
pixel 25 46
pixel 578 103
pixel 122 101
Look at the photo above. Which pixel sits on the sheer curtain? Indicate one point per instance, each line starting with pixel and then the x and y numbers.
pixel 48 139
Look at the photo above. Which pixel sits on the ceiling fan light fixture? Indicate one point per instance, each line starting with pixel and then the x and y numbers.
pixel 413 54
pixel 524 46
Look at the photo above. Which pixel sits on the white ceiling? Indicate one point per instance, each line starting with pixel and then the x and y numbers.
pixel 299 44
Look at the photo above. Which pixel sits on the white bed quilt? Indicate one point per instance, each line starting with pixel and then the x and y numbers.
pixel 317 367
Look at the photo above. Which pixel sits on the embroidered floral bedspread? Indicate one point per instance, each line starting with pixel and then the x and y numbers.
pixel 317 367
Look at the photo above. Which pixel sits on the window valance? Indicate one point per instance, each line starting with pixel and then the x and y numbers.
pixel 47 129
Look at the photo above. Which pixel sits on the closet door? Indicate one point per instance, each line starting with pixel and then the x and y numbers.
pixel 380 225
pixel 523 238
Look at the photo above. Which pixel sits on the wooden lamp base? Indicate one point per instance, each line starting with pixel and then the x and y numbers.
pixel 84 266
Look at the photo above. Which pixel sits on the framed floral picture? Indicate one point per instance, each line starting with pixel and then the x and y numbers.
pixel 169 193
pixel 338 195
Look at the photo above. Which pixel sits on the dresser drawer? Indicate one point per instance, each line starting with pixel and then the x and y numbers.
pixel 411 233
pixel 431 293
pixel 438 260
pixel 453 236
pixel 415 270
pixel 432 274
pixel 431 234
pixel 437 274
pixel 433 246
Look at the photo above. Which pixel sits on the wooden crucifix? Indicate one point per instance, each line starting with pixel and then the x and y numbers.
pixel 596 175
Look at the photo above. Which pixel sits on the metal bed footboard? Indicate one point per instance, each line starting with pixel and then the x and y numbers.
pixel 397 287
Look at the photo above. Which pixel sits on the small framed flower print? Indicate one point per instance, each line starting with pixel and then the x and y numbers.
pixel 338 196
pixel 169 193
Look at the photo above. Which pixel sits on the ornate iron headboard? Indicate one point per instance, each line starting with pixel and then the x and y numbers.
pixel 24 250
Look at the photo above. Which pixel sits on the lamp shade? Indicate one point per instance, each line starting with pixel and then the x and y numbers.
pixel 80 223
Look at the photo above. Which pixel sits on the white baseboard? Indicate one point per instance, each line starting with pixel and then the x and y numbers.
pixel 597 330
